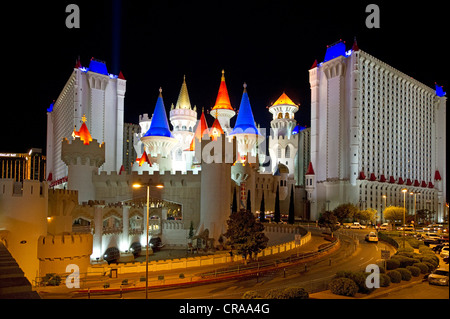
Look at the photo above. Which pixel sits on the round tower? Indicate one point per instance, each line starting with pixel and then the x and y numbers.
pixel 283 142
pixel 159 140
pixel 83 156
pixel 215 196
pixel 183 120
pixel 245 131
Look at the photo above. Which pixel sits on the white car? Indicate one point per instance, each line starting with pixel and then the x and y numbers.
pixel 372 237
pixel 384 226
pixel 439 277
pixel 357 225
pixel 444 252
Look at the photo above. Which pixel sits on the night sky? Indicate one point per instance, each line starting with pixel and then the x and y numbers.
pixel 270 45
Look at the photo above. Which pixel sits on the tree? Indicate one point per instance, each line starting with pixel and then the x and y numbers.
pixel 343 211
pixel 234 205
pixel 393 213
pixel 328 220
pixel 262 210
pixel 367 215
pixel 291 216
pixel 246 234
pixel 277 212
pixel 191 230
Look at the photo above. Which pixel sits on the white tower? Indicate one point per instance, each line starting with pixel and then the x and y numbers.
pixel 183 120
pixel 283 145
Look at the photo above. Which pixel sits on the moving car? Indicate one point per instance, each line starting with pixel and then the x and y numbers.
pixel 357 225
pixel 384 226
pixel 372 237
pixel 439 277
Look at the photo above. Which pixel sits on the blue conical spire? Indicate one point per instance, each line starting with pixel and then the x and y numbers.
pixel 159 125
pixel 245 123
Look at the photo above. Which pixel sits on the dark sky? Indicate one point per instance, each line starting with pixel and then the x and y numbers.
pixel 270 45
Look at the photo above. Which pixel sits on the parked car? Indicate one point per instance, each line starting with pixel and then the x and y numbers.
pixel 439 277
pixel 384 226
pixel 444 251
pixel 372 237
pixel 437 249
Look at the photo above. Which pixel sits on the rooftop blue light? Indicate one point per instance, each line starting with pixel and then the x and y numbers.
pixel 245 122
pixel 440 91
pixel 335 50
pixel 50 108
pixel 98 67
pixel 159 125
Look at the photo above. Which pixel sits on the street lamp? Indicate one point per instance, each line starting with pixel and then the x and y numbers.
pixel 384 197
pixel 137 185
pixel 404 190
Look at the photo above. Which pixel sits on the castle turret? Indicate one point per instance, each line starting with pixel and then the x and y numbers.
pixel 245 131
pixel 222 110
pixel 158 139
pixel 83 156
pixel 183 120
pixel 283 144
pixel 218 154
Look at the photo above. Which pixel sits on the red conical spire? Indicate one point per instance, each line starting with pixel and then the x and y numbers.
pixel 310 170
pixel 121 76
pixel 223 100
pixel 355 46
pixel 202 128
pixel 83 133
pixel 314 65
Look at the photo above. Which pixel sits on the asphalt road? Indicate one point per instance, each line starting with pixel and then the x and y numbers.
pixel 316 275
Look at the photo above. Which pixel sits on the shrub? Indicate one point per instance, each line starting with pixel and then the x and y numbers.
pixel 406 274
pixel 385 280
pixel 429 265
pixel 423 268
pixel 343 286
pixel 274 294
pixel 404 261
pixel 415 271
pixel 431 259
pixel 295 293
pixel 358 277
pixel 392 264
pixel 251 295
pixel 395 276
pixel 423 249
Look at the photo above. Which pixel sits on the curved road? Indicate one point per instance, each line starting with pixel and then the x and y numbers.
pixel 315 277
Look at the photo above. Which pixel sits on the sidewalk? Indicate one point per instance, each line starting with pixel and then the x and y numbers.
pixel 166 278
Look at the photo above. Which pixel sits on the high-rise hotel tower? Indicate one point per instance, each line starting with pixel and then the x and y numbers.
pixel 374 132
pixel 98 95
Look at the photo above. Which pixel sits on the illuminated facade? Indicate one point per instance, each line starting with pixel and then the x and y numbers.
pixel 100 96
pixel 374 131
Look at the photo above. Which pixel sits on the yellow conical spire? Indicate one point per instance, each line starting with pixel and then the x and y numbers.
pixel 183 98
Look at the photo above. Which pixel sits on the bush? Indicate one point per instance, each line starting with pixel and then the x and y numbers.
pixel 385 280
pixel 431 259
pixel 343 286
pixel 424 249
pixel 251 295
pixel 274 294
pixel 392 264
pixel 423 268
pixel 404 261
pixel 395 276
pixel 429 265
pixel 358 277
pixel 415 271
pixel 406 274
pixel 295 293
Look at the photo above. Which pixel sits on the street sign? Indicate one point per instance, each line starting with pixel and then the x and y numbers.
pixel 385 254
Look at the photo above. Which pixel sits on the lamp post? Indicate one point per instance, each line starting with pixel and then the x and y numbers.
pixel 384 197
pixel 404 190
pixel 137 185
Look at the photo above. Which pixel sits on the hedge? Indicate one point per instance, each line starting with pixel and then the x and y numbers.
pixel 251 295
pixel 423 268
pixel 287 293
pixel 406 274
pixel 343 286
pixel 392 264
pixel 415 271
pixel 395 276
pixel 385 280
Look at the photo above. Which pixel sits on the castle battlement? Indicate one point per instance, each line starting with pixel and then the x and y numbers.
pixel 28 188
pixel 294 138
pixel 64 246
pixel 62 192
